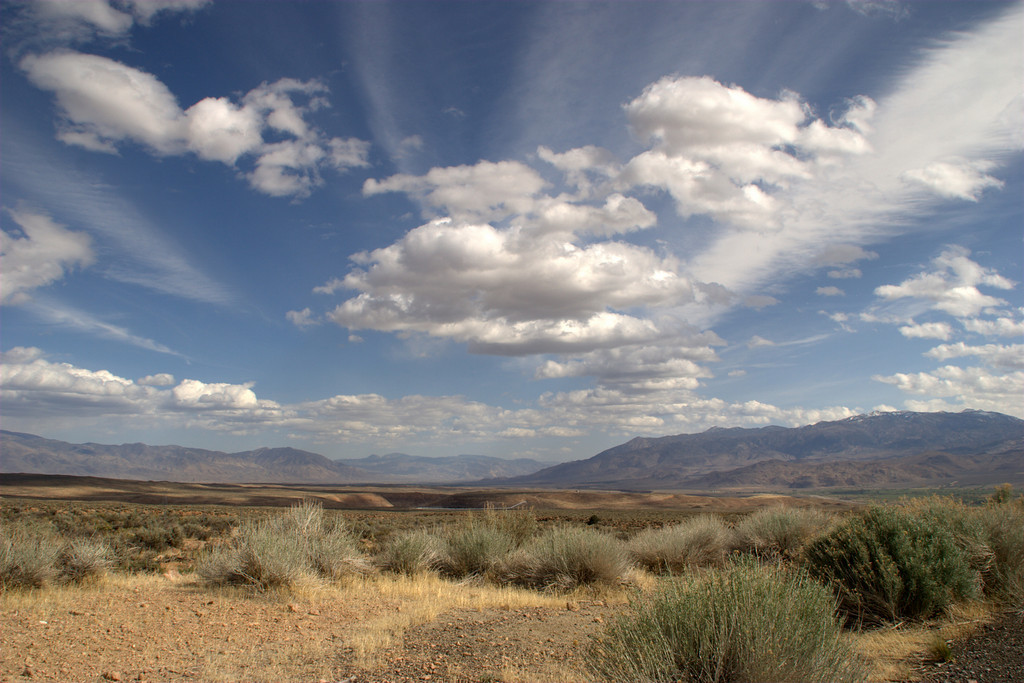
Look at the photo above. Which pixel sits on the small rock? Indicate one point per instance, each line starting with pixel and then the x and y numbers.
pixel 27 672
pixel 112 675
pixel 598 620
pixel 292 607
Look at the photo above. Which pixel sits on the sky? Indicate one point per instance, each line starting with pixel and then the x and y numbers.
pixel 519 229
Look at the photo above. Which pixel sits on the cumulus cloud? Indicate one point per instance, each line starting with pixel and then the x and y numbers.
pixel 718 150
pixel 927 331
pixel 105 103
pixel 35 387
pixel 507 291
pixel 40 255
pixel 484 191
pixel 829 291
pixel 161 379
pixel 952 286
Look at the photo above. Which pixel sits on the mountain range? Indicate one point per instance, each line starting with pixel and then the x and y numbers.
pixel 866 451
pixel 880 450
pixel 37 455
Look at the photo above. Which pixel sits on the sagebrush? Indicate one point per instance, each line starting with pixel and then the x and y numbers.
pixel 742 623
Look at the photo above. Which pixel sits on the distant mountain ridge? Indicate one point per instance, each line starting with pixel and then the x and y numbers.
pixel 975 445
pixel 33 454
pixel 879 450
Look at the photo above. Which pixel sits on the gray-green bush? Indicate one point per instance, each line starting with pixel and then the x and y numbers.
pixel 564 558
pixel 702 541
pixel 888 564
pixel 742 623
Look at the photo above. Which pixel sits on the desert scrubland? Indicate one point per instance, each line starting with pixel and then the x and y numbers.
pixel 566 585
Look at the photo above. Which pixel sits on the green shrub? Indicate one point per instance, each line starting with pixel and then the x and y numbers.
pixel 28 558
pixel 743 623
pixel 566 557
pixel 84 558
pixel 888 564
pixel 779 532
pixel 410 553
pixel 159 535
pixel 702 541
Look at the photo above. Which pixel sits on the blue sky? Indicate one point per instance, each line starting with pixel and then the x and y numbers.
pixel 506 228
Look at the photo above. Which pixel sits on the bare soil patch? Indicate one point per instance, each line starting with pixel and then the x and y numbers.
pixel 168 628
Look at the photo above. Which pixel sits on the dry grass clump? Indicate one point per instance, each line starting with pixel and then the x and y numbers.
pixel 27 559
pixel 411 553
pixel 565 558
pixel 779 532
pixel 743 623
pixel 282 551
pixel 84 559
pixel 473 549
pixel 1003 526
pixel 33 557
pixel 703 541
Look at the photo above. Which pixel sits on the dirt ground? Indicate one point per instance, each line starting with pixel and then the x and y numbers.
pixel 157 628
pixel 367 630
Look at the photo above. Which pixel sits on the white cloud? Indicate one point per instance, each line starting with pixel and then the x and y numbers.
pixel 1003 326
pixel 845 273
pixel 161 379
pixel 995 355
pixel 718 150
pixel 35 388
pixel 758 340
pixel 303 318
pixel 41 255
pixel 952 287
pixel 45 394
pixel 955 180
pixel 96 14
pixel 973 77
pixel 842 254
pixel 927 331
pixel 976 388
pixel 508 292
pixel 829 291
pixel 105 103
pixel 109 18
pixel 484 191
